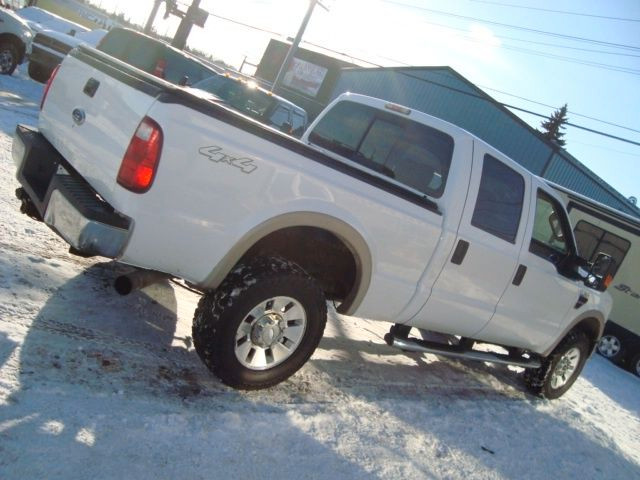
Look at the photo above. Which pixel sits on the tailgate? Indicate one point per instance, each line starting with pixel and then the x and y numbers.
pixel 93 107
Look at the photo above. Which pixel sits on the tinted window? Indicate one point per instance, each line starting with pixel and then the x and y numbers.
pixel 551 237
pixel 499 203
pixel 299 120
pixel 593 240
pixel 409 152
pixel 280 116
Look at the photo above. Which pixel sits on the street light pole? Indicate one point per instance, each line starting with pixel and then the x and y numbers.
pixel 294 46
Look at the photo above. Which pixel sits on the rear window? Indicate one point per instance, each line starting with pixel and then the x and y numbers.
pixel 411 153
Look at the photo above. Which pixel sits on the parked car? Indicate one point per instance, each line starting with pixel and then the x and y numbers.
pixel 155 57
pixel 40 19
pixel 50 47
pixel 15 41
pixel 391 213
pixel 256 102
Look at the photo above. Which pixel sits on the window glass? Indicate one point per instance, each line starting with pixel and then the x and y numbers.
pixel 298 120
pixel 409 152
pixel 280 116
pixel 499 204
pixel 550 229
pixel 593 240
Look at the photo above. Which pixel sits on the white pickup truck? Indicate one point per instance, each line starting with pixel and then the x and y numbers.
pixel 391 213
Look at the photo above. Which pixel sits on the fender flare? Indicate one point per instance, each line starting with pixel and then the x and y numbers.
pixel 346 233
pixel 590 314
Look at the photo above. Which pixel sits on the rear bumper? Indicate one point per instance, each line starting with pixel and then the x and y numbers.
pixel 64 200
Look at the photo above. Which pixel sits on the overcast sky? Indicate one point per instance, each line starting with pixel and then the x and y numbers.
pixel 585 53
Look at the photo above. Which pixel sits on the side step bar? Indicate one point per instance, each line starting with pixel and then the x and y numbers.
pixel 424 346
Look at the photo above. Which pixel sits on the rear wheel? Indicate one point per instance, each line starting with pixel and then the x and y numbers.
pixel 560 369
pixel 261 325
pixel 8 57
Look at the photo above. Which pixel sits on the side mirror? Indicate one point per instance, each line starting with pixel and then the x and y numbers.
pixel 556 227
pixel 600 273
pixel 575 267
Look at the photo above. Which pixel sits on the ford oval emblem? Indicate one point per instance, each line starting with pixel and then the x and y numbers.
pixel 78 116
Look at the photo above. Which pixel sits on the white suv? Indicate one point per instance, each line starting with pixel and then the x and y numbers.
pixel 15 41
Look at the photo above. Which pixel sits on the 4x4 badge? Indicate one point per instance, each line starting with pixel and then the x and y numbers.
pixel 215 154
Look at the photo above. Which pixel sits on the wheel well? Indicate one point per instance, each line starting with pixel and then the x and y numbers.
pixel 16 42
pixel 319 252
pixel 591 328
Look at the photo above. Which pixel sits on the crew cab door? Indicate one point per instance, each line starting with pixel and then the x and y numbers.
pixel 485 254
pixel 535 306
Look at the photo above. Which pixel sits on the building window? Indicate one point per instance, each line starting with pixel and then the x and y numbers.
pixel 499 204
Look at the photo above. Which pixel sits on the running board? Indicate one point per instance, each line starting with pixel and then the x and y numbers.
pixel 424 346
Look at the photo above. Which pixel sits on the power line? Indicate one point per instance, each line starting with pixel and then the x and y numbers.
pixel 546 44
pixel 552 106
pixel 597 132
pixel 515 27
pixel 563 12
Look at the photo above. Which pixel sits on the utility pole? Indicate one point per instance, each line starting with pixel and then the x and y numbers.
pixel 152 16
pixel 184 29
pixel 294 46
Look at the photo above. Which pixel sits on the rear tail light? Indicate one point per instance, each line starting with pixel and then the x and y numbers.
pixel 140 162
pixel 48 85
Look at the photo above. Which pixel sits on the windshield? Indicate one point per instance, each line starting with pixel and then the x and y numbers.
pixel 251 101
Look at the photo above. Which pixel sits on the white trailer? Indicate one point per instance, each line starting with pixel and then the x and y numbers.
pixel 599 228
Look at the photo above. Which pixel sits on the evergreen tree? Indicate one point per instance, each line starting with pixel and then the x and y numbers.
pixel 553 126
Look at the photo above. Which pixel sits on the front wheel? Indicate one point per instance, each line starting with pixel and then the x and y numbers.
pixel 8 57
pixel 261 325
pixel 560 369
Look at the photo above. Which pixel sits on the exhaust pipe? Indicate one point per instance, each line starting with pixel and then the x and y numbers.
pixel 125 284
pixel 423 346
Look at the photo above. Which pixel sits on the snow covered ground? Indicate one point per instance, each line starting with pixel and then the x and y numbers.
pixel 94 385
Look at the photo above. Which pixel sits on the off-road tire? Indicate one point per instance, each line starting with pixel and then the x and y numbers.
pixel 220 314
pixel 539 380
pixel 8 57
pixel 38 72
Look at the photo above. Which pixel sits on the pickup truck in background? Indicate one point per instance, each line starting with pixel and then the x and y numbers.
pixel 15 41
pixel 392 214
pixel 49 48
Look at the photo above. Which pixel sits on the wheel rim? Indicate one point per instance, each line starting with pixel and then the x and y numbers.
pixel 609 346
pixel 565 368
pixel 270 333
pixel 6 60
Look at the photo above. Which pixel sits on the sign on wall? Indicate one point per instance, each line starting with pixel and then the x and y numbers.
pixel 305 77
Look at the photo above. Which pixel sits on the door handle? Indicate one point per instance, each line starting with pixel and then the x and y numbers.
pixel 517 279
pixel 460 252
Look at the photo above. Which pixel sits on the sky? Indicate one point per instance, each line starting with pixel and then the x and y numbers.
pixel 536 55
